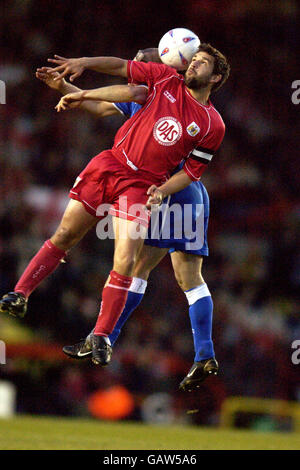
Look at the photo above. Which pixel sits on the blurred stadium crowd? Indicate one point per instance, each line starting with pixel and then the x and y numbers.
pixel 253 267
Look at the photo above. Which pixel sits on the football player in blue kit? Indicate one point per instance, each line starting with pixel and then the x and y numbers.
pixel 186 259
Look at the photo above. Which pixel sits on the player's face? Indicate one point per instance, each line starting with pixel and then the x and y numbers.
pixel 200 71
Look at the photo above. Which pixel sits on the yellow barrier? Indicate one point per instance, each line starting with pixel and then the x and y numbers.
pixel 233 405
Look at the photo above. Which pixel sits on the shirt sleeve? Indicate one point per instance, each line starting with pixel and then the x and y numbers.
pixel 149 73
pixel 199 158
pixel 124 108
pixel 128 109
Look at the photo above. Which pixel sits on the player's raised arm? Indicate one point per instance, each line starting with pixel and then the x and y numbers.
pixel 75 67
pixel 47 76
pixel 114 93
pixel 101 109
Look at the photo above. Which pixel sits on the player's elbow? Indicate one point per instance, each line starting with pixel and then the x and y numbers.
pixel 137 93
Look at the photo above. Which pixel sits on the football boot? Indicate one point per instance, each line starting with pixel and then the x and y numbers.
pixel 14 304
pixel 198 373
pixel 81 350
pixel 101 350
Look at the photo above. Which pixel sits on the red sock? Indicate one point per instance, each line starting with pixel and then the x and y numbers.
pixel 114 297
pixel 41 265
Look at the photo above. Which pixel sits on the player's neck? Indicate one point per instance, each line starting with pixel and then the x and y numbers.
pixel 201 95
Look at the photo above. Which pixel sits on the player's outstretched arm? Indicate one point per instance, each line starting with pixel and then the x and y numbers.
pixel 114 93
pixel 75 67
pixel 176 183
pixel 62 86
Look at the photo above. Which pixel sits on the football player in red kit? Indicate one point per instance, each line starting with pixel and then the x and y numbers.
pixel 177 119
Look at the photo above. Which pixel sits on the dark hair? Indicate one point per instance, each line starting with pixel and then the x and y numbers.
pixel 221 65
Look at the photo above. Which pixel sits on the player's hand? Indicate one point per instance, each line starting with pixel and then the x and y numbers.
pixel 148 55
pixel 72 67
pixel 156 196
pixel 69 101
pixel 47 77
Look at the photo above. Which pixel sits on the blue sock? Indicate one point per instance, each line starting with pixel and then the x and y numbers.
pixel 135 295
pixel 201 314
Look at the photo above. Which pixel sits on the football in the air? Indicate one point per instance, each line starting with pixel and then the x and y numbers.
pixel 177 47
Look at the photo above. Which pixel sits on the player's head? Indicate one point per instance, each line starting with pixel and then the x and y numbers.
pixel 208 68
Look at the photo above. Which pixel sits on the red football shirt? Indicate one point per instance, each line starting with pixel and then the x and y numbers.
pixel 172 125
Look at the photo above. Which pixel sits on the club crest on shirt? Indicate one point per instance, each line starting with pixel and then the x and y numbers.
pixel 167 130
pixel 193 129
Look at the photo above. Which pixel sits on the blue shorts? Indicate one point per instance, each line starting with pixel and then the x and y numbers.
pixel 182 221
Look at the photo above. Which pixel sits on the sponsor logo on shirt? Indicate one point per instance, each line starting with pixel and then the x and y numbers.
pixel 193 129
pixel 169 96
pixel 167 131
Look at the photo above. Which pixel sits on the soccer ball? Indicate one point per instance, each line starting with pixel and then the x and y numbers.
pixel 177 47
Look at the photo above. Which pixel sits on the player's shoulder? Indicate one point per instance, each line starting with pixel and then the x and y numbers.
pixel 206 116
pixel 169 71
pixel 161 71
pixel 216 124
pixel 152 67
pixel 216 116
pixel 216 129
pixel 151 72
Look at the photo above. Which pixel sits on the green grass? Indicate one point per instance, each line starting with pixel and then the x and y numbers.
pixel 44 433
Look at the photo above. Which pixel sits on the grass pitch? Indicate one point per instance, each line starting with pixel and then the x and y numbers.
pixel 44 433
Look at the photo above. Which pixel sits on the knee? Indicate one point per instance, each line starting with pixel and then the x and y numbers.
pixel 183 286
pixel 142 272
pixel 189 281
pixel 64 238
pixel 124 264
pixel 142 269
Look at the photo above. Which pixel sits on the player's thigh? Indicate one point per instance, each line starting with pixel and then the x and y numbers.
pixel 148 258
pixel 75 223
pixel 187 269
pixel 129 239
